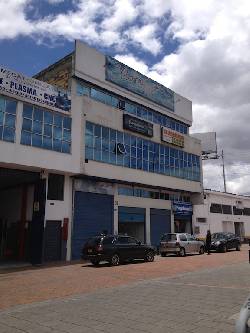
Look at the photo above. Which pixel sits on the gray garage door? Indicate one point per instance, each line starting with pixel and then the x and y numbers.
pixel 160 223
pixel 93 213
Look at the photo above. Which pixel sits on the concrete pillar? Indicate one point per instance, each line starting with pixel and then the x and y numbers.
pixel 147 225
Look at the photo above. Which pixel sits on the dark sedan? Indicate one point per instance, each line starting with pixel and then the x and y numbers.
pixel 223 241
pixel 116 249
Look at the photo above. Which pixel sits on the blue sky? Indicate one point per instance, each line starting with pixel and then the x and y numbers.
pixel 200 49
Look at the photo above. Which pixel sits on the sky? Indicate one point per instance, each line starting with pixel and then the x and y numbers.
pixel 200 49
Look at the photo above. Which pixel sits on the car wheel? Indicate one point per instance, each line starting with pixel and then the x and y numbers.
pixel 150 256
pixel 95 262
pixel 163 254
pixel 224 249
pixel 238 247
pixel 182 252
pixel 114 260
pixel 202 250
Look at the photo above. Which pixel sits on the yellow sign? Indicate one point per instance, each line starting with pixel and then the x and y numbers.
pixel 172 137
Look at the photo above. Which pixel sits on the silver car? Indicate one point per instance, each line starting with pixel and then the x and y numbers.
pixel 180 244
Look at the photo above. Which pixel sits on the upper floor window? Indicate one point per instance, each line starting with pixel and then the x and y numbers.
pixel 215 208
pixel 137 153
pixel 226 209
pixel 8 108
pixel 45 129
pixel 131 107
pixel 237 211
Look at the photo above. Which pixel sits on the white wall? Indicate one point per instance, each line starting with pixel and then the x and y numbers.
pixel 90 66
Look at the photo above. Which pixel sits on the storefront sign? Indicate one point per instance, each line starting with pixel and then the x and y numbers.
pixel 134 81
pixel 34 90
pixel 172 137
pixel 137 125
pixel 182 208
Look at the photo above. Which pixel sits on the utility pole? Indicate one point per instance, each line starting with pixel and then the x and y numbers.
pixel 223 168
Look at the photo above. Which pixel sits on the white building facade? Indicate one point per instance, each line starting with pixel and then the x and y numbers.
pixel 119 159
pixel 222 212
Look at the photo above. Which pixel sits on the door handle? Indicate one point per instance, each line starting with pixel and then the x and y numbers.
pixel 241 324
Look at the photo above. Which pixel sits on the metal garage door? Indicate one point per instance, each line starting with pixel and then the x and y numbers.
pixel 53 241
pixel 93 213
pixel 160 223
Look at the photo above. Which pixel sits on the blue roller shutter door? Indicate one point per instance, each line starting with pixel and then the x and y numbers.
pixel 93 213
pixel 160 223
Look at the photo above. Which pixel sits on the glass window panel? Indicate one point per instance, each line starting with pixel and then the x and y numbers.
pixel 57 145
pixel 11 106
pixel 139 164
pixel 82 90
pixel 47 130
pixel 57 133
pixel 114 101
pixel 48 117
pixel 65 147
pixel 105 156
pixel 97 143
pixel 89 141
pixel 67 122
pixel 66 135
pixel 185 130
pixel 36 140
pixel 150 116
pixel 47 142
pixel 26 138
pixel 27 111
pixel 133 151
pixel 119 137
pixel 144 114
pixel 151 167
pixel 139 153
pixel 2 104
pixel 126 139
pixel 133 162
pixel 58 120
pixel 112 157
pixel 126 161
pixel 112 135
pixel 37 127
pixel 38 114
pixel 145 165
pixel 89 153
pixel 89 128
pixel 1 118
pixel 133 141
pixel 138 111
pixel 27 124
pixel 105 144
pixel 139 143
pixel 105 133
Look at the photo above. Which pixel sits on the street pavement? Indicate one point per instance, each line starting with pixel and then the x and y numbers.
pixel 202 300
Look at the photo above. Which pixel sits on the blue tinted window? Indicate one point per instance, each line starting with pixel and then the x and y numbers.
pixel 7 119
pixel 11 106
pixel 26 138
pixel 138 153
pixel 38 114
pixel 9 134
pixel 39 125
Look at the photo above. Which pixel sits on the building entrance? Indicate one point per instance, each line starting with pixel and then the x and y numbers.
pixel 16 213
pixel 132 222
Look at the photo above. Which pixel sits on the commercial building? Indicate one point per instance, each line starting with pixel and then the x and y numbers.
pixel 91 145
pixel 222 211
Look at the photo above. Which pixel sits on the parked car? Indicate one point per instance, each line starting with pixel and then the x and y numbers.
pixel 116 249
pixel 223 241
pixel 180 244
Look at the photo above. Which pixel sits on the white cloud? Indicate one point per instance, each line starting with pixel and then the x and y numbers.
pixel 13 18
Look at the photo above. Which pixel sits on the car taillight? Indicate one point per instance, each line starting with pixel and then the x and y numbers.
pixel 99 248
pixel 177 244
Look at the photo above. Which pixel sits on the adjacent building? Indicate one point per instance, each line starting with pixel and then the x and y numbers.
pixel 90 145
pixel 222 211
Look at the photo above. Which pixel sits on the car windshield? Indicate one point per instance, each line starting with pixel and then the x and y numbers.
pixel 218 235
pixel 93 241
pixel 169 237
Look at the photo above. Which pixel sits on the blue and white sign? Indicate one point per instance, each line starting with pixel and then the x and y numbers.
pixel 128 78
pixel 182 208
pixel 34 90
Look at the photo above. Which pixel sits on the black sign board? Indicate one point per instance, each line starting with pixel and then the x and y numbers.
pixel 137 125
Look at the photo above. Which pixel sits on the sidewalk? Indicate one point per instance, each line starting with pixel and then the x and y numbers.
pixel 202 301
